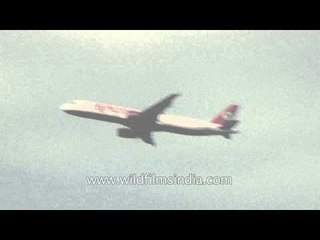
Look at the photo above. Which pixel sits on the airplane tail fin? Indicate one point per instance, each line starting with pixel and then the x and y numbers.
pixel 226 118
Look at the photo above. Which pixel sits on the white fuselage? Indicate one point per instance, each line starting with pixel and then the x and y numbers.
pixel 118 114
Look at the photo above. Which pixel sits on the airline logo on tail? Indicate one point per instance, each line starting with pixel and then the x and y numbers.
pixel 228 114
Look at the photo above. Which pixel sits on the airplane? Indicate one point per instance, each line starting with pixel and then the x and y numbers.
pixel 141 124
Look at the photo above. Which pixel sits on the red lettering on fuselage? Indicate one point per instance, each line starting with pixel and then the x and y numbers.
pixel 99 107
pixel 111 108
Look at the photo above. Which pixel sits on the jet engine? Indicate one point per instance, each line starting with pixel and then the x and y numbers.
pixel 126 133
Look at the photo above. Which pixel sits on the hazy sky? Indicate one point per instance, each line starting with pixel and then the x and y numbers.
pixel 45 154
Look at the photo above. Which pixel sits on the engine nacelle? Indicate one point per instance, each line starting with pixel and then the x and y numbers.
pixel 126 133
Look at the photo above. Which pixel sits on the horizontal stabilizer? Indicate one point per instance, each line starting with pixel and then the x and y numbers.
pixel 229 124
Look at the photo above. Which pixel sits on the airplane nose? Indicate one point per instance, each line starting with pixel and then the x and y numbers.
pixel 64 107
pixel 68 106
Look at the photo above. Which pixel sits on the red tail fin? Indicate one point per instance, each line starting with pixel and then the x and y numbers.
pixel 229 113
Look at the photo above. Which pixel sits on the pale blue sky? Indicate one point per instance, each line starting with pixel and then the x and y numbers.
pixel 45 155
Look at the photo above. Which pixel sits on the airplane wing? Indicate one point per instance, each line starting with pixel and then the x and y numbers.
pixel 153 111
pixel 144 121
pixel 147 138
